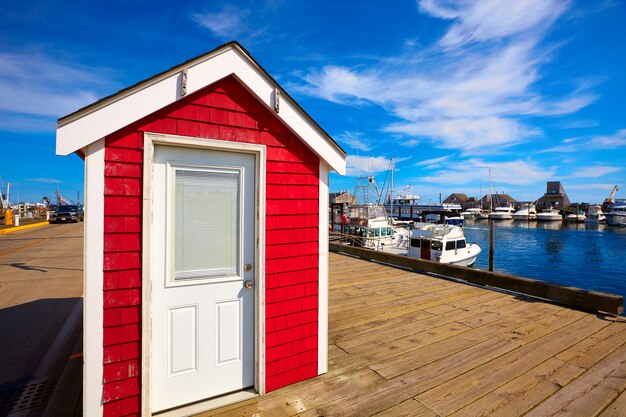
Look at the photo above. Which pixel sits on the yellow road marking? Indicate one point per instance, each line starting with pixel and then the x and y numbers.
pixel 35 242
pixel 24 227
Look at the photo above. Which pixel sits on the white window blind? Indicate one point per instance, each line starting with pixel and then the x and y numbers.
pixel 206 227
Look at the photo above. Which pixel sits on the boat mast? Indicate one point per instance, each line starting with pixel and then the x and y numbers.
pixel 490 192
pixel 391 191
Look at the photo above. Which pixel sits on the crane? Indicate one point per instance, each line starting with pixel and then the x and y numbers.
pixel 609 201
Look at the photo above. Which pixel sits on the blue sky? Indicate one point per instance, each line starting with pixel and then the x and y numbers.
pixel 534 89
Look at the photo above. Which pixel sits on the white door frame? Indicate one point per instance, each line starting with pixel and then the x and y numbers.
pixel 259 151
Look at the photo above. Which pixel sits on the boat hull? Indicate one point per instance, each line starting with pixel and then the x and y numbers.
pixel 616 219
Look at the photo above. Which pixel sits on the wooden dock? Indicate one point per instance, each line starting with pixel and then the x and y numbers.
pixel 407 344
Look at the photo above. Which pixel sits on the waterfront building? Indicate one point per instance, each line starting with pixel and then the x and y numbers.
pixel 498 200
pixel 555 196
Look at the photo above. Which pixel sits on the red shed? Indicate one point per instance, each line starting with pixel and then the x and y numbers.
pixel 206 238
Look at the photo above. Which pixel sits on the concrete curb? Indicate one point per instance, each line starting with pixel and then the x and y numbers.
pixel 18 228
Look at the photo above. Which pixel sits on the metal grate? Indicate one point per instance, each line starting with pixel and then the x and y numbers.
pixel 33 394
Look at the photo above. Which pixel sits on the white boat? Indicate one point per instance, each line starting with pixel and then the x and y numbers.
pixel 368 226
pixel 502 213
pixel 595 215
pixel 526 213
pixel 549 215
pixel 442 243
pixel 482 215
pixel 617 215
pixel 576 217
pixel 470 213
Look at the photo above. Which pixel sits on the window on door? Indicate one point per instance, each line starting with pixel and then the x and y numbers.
pixel 205 231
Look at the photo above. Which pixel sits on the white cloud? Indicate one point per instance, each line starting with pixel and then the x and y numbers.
pixel 355 140
pixel 431 162
pixel 593 187
pixel 471 99
pixel 594 171
pixel 227 24
pixel 366 165
pixel 612 141
pixel 492 19
pixel 45 180
pixel 473 171
pixel 588 144
pixel 35 84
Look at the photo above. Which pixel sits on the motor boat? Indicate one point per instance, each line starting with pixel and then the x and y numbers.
pixel 578 217
pixel 595 215
pixel 442 243
pixel 617 215
pixel 502 213
pixel 470 213
pixel 549 215
pixel 525 213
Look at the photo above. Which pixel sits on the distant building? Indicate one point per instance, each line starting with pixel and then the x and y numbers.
pixel 462 199
pixel 555 196
pixel 498 200
pixel 343 197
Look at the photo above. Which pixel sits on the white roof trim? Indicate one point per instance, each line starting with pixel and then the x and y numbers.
pixel 95 122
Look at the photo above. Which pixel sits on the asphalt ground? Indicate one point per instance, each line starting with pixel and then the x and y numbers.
pixel 41 287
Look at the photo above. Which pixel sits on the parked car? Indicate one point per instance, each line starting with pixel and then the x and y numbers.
pixel 66 214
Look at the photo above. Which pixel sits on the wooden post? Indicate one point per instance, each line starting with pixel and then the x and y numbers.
pixel 491 233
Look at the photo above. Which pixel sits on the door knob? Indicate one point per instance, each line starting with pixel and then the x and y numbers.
pixel 247 284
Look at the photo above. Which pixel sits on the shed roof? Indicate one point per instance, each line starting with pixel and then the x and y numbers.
pixel 105 116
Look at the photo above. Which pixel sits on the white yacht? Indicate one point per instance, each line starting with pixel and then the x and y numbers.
pixel 502 213
pixel 526 213
pixel 549 215
pixel 595 215
pixel 617 215
pixel 578 217
pixel 442 243
pixel 470 213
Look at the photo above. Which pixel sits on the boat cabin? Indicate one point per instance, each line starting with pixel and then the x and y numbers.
pixel 206 238
pixel 441 243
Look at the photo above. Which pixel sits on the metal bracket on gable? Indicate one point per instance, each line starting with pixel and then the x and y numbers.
pixel 183 83
pixel 276 100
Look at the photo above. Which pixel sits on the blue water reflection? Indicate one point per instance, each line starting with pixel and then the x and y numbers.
pixel 579 255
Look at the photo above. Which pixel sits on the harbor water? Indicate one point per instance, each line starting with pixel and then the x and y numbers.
pixel 586 256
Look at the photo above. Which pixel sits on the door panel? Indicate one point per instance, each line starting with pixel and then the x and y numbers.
pixel 202 235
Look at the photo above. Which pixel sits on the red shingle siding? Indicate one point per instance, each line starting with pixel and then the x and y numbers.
pixel 223 111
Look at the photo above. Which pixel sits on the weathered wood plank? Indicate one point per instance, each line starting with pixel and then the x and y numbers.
pixel 523 393
pixel 436 347
pixel 472 385
pixel 416 358
pixel 576 297
pixel 589 394
pixel 616 408
pixel 408 408
pixel 591 350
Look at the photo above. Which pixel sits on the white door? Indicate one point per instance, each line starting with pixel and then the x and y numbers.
pixel 202 274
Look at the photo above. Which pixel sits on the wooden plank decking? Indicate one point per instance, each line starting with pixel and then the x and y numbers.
pixel 406 344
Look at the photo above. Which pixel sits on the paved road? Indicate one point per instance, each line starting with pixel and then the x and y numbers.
pixel 40 309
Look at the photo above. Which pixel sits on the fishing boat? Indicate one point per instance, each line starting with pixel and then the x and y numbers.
pixel 502 213
pixel 549 215
pixel 617 215
pixel 368 226
pixel 528 212
pixel 442 243
pixel 595 215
